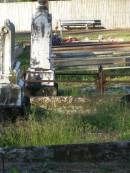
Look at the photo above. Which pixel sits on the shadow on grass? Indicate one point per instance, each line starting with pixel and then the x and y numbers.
pixel 109 118
pixel 38 113
pixel 101 122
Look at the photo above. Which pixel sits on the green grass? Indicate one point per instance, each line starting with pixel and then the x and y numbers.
pixel 24 58
pixel 15 170
pixel 94 36
pixel 125 35
pixel 103 123
pixel 21 38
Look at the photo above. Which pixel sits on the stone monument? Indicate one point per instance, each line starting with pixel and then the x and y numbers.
pixel 40 75
pixel 10 84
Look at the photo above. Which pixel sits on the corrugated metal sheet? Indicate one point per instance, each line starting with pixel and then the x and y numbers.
pixel 112 13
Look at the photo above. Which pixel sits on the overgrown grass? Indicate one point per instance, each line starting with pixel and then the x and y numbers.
pixel 105 122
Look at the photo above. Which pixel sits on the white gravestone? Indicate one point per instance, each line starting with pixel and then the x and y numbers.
pixel 10 91
pixel 41 46
pixel 7 46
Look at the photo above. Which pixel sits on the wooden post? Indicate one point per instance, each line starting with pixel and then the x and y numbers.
pixel 100 83
pixel 101 80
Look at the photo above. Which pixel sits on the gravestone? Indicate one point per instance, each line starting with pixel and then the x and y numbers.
pixel 7 49
pixel 40 75
pixel 10 91
pixel 41 32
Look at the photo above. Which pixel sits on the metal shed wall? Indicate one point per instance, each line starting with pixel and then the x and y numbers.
pixel 112 13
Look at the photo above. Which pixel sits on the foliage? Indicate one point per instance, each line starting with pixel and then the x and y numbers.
pixel 15 170
pixel 24 59
pixel 106 122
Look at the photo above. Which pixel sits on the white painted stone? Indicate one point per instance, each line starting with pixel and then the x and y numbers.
pixel 7 58
pixel 10 91
pixel 41 46
pixel 41 39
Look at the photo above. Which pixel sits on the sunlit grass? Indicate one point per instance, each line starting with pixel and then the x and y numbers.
pixel 105 122
pixel 125 35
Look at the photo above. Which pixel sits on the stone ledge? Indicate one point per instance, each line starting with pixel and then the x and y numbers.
pixel 69 153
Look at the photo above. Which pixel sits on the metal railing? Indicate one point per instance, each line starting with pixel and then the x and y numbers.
pixel 100 82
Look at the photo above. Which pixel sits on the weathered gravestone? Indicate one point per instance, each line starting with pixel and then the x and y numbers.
pixel 10 91
pixel 7 46
pixel 40 75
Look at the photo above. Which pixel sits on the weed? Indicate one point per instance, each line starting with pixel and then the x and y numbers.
pixel 106 122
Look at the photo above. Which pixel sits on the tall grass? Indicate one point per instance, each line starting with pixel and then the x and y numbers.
pixel 107 122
